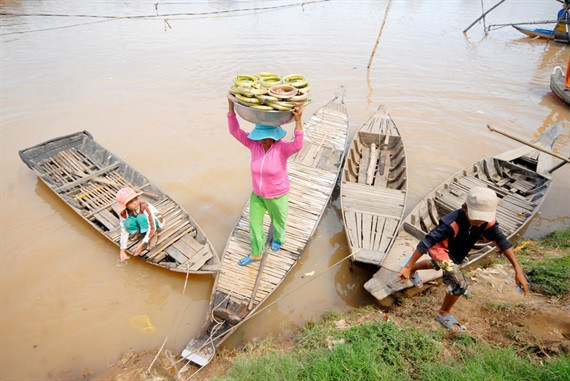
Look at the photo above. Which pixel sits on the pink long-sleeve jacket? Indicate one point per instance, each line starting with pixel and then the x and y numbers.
pixel 268 169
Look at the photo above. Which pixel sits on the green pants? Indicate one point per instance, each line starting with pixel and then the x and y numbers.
pixel 278 208
pixel 138 224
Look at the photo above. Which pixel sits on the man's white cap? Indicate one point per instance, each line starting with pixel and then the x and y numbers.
pixel 482 204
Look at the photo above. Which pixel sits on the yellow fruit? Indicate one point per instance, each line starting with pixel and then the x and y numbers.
pixel 278 107
pixel 265 98
pixel 261 107
pixel 245 80
pixel 241 98
pixel 305 90
pixel 295 80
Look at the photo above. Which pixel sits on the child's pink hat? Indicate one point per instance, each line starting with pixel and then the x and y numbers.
pixel 124 195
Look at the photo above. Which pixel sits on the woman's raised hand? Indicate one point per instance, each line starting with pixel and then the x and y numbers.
pixel 297 113
pixel 230 105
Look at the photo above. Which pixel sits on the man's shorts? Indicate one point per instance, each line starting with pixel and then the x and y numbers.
pixel 452 276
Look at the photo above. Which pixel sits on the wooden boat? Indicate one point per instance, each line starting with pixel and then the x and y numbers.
pixel 239 291
pixel 558 85
pixel 544 33
pixel 520 177
pixel 86 176
pixel 373 188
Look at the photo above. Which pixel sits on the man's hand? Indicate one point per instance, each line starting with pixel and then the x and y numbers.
pixel 521 281
pixel 405 273
pixel 123 256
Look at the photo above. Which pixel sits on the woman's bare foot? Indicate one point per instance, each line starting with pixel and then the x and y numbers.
pixel 124 256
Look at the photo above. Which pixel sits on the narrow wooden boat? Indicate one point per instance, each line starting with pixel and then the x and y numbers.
pixel 86 176
pixel 558 85
pixel 239 291
pixel 373 188
pixel 520 177
pixel 544 33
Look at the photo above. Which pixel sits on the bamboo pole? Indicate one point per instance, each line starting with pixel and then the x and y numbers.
pixel 553 34
pixel 494 26
pixel 484 23
pixel 537 147
pixel 380 34
pixel 483 15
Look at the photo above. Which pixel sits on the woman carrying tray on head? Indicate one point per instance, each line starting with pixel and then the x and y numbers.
pixel 269 154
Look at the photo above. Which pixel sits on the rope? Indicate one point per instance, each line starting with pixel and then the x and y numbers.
pixel 57 27
pixel 212 332
pixel 144 17
pixel 162 15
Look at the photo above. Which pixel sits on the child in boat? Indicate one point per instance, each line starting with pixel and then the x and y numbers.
pixel 137 218
pixel 450 242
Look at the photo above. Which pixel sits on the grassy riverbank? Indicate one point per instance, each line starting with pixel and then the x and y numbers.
pixel 381 350
pixel 369 344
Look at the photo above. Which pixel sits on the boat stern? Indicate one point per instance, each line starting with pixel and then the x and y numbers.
pixel 199 351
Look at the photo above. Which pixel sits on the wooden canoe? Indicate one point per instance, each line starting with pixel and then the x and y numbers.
pixel 521 179
pixel 373 188
pixel 86 176
pixel 544 33
pixel 558 85
pixel 239 291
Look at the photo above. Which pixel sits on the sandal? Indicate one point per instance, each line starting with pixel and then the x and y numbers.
pixel 416 280
pixel 449 321
pixel 247 260
pixel 275 246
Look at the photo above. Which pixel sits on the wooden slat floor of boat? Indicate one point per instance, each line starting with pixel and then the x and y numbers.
pixel 376 200
pixel 98 194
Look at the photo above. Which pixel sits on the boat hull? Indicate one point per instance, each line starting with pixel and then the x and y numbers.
pixel 374 188
pixel 558 85
pixel 86 176
pixel 544 33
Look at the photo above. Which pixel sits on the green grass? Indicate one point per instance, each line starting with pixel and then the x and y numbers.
pixel 502 306
pixel 556 240
pixel 383 351
pixel 490 364
pixel 550 276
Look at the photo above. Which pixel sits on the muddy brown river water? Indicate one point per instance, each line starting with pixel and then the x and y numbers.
pixel 156 98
